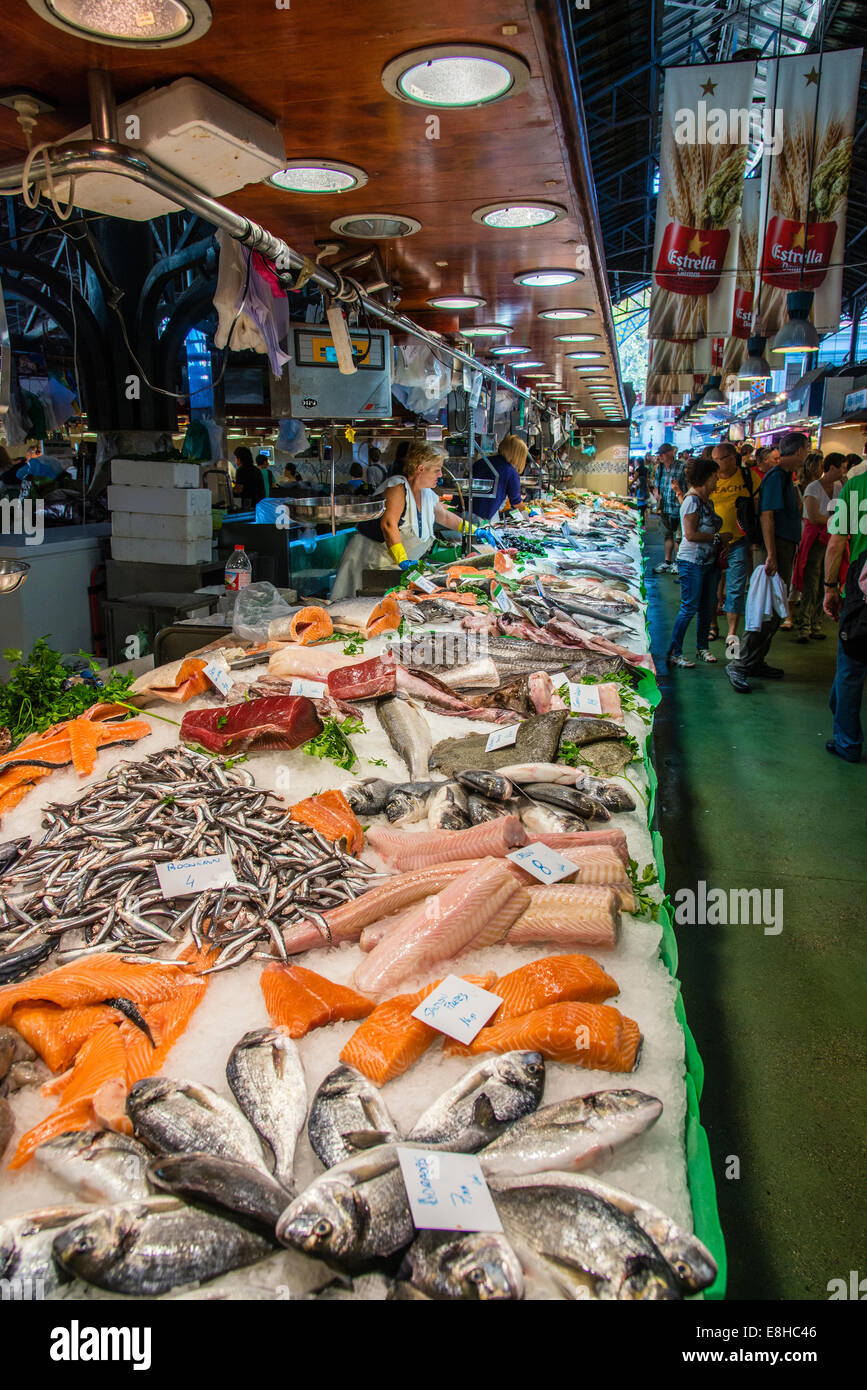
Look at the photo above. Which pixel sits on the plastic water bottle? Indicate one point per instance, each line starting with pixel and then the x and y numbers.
pixel 239 571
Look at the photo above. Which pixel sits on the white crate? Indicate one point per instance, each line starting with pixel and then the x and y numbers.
pixel 161 552
pixel 138 525
pixel 147 473
pixel 161 501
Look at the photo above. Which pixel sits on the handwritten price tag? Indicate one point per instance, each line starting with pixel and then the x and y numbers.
pixel 543 863
pixel 501 599
pixel 427 586
pixel 584 699
pixel 447 1192
pixel 219 677
pixel 184 877
pixel 501 738
pixel 314 690
pixel 457 1008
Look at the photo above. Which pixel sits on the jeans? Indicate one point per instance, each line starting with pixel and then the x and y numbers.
pixel 845 703
pixel 809 615
pixel 755 645
pixel 736 578
pixel 698 584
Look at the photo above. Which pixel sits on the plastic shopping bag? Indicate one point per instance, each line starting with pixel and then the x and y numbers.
pixel 766 595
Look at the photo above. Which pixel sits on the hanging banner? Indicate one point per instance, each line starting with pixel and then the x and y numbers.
pixel 673 367
pixel 804 212
pixel 745 280
pixel 706 127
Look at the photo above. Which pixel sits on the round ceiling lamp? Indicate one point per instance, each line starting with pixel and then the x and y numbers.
pixel 456 301
pixel 563 315
pixel 485 330
pixel 376 226
pixel 585 354
pixel 547 279
pixel 755 368
pixel 453 75
pixel 522 366
pixel 508 351
pixel 312 175
pixel 520 212
pixel 128 23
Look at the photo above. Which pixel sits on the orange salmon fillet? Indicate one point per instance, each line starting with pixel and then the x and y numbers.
pixel 299 1000
pixel 390 1040
pixel 56 1033
pixel 331 814
pixel 593 1035
pixel 167 1020
pixel 385 617
pixel 552 980
pixel 310 625
pixel 93 1097
pixel 91 980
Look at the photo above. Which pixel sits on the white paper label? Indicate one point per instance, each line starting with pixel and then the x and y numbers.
pixel 584 699
pixel 501 738
pixel 447 1191
pixel 433 432
pixel 183 877
pixel 502 600
pixel 566 530
pixel 219 677
pixel 540 590
pixel 548 865
pixel 458 1008
pixel 314 690
pixel 427 586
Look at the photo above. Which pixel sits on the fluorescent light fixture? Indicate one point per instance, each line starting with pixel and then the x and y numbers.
pixel 797 334
pixel 508 351
pixel 311 175
pixel 521 366
pixel 545 279
pixel 575 338
pixel 128 23
pixel 376 226
pixel 485 330
pixel 456 301
pixel 562 315
pixel 585 354
pixel 455 75
pixel 519 212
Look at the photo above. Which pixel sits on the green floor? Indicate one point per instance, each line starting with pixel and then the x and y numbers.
pixel 749 798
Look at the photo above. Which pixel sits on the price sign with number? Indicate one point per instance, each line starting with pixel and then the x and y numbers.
pixel 184 877
pixel 447 1192
pixel 502 738
pixel 584 699
pixel 219 677
pixel 427 586
pixel 547 865
pixel 501 598
pixel 457 1008
pixel 314 690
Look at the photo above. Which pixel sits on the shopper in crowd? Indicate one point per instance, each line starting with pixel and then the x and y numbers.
pixel 819 496
pixel 249 483
pixel 703 540
pixel 848 688
pixel 766 458
pixel 746 452
pixel 781 530
pixel 853 466
pixel 669 486
pixel 642 481
pixel 734 482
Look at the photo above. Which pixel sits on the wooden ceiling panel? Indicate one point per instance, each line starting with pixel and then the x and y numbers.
pixel 315 71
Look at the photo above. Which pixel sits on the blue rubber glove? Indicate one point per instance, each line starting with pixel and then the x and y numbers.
pixel 532 511
pixel 483 534
pixel 408 565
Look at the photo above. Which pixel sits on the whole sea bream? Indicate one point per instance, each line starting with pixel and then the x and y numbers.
pixel 356 1211
pixel 485 1102
pixel 267 1080
pixel 186 1117
pixel 348 1115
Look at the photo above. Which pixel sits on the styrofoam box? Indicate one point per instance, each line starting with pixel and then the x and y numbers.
pixel 146 473
pixel 161 528
pixel 160 552
pixel 206 138
pixel 161 501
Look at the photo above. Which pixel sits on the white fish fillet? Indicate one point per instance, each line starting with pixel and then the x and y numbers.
pixel 404 849
pixel 437 930
pixel 568 915
pixel 473 675
pixel 312 663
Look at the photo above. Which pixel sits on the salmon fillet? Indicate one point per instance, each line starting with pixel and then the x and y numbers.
pixel 167 1020
pixel 552 980
pixel 310 625
pixel 57 1033
pixel 591 1035
pixel 93 1097
pixel 390 1040
pixel 331 814
pixel 91 980
pixel 299 1000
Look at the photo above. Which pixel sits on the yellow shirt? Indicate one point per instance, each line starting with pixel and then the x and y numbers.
pixel 724 502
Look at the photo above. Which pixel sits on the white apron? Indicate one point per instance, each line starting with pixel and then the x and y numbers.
pixel 416 534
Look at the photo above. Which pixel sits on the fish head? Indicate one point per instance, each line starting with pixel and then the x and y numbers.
pixel 692 1265
pixel 523 1070
pixel 95 1242
pixel 634 1111
pixel 7 1250
pixel 648 1279
pixel 327 1220
pixel 484 1267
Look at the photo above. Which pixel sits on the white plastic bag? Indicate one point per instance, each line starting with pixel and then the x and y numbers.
pixel 766 595
pixel 255 607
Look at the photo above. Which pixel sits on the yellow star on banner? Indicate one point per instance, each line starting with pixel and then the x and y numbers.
pixel 812 77
pixel 696 246
pixel 709 88
pixel 798 239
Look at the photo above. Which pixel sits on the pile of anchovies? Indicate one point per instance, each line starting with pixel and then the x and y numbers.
pixel 91 885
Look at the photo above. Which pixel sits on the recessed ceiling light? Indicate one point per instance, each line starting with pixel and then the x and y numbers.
pixel 508 351
pixel 524 212
pixel 456 301
pixel 522 367
pixel 485 330
pixel 562 315
pixel 376 226
pixel 586 354
pixel 312 175
pixel 599 367
pixel 538 279
pixel 455 74
pixel 575 338
pixel 128 23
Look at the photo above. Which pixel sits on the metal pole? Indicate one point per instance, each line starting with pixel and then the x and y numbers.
pixel 466 539
pixel 103 111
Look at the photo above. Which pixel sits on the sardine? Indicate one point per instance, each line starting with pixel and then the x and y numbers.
pixel 11 851
pixel 147 1248
pixel 267 1080
pixel 573 1133
pixel 238 1187
pixel 100 1165
pixel 347 1115
pixel 487 1100
pixel 447 808
pixel 408 734
pixel 26 1249
pixel 186 1117
pixel 455 1264
pixel 355 1212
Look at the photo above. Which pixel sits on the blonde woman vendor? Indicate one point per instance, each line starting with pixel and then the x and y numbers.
pixel 405 532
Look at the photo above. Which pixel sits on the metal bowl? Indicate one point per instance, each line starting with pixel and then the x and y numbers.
pixel 313 509
pixel 12 575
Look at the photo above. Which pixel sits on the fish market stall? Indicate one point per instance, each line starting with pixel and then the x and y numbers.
pixel 253 1042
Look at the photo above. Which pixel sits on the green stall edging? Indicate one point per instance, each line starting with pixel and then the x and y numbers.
pixel 699 1169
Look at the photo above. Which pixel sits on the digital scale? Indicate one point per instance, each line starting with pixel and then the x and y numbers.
pixel 317 387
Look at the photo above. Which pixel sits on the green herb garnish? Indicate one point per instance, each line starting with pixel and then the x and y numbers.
pixel 645 904
pixel 33 698
pixel 353 646
pixel 223 720
pixel 334 743
pixel 377 762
